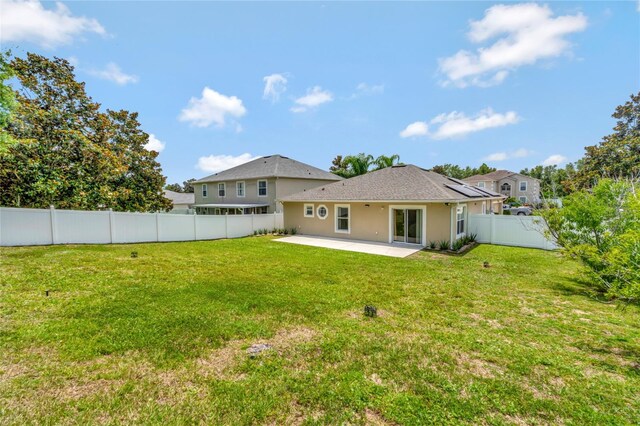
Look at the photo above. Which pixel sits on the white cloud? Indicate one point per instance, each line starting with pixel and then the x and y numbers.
pixel 419 128
pixel 554 160
pixel 521 153
pixel 29 21
pixel 363 89
pixel 496 156
pixel 212 107
pixel 113 73
pixel 154 144
pixel 527 33
pixel 314 97
pixel 502 156
pixel 274 86
pixel 218 163
pixel 457 124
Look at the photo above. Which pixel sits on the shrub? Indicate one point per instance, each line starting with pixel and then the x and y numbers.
pixel 285 231
pixel 472 237
pixel 506 212
pixel 458 244
pixel 432 245
pixel 600 227
pixel 443 245
pixel 274 231
pixel 294 231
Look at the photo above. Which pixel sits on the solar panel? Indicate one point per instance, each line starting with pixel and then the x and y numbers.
pixel 458 181
pixel 465 190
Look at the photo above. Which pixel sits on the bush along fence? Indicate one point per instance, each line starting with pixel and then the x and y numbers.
pixel 517 231
pixel 23 227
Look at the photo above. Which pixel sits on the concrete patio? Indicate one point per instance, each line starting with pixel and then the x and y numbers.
pixel 382 249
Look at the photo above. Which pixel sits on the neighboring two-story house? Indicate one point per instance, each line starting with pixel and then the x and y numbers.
pixel 523 188
pixel 255 187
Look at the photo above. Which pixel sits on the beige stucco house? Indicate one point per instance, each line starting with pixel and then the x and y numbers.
pixel 510 184
pixel 255 187
pixel 405 204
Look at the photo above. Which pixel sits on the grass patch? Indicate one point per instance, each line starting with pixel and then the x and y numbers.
pixel 163 337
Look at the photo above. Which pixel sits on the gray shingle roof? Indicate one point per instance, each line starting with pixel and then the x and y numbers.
pixel 271 166
pixel 180 197
pixel 397 183
pixel 494 176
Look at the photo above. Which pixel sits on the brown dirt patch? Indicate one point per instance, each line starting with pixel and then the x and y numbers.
pixel 372 417
pixel 476 366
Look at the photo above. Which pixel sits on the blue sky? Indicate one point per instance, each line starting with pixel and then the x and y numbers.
pixel 510 84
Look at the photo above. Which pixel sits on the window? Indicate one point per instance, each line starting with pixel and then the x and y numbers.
pixel 240 189
pixel 204 190
pixel 480 184
pixel 308 210
pixel 262 188
pixel 221 189
pixel 342 218
pixel 523 186
pixel 322 212
pixel 460 221
pixel 523 199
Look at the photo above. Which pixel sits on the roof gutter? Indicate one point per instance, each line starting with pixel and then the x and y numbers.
pixel 465 200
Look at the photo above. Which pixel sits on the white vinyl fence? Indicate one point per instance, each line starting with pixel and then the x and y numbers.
pixel 517 231
pixel 25 227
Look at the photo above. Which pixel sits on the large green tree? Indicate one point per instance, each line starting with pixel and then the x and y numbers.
pixel 384 161
pixel 70 154
pixel 356 165
pixel 7 100
pixel 618 155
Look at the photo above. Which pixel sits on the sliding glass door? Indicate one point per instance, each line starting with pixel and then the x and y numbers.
pixel 407 226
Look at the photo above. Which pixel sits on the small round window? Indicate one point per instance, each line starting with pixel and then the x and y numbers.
pixel 322 212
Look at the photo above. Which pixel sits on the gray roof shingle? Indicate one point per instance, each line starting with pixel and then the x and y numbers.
pixel 397 183
pixel 180 197
pixel 494 176
pixel 271 166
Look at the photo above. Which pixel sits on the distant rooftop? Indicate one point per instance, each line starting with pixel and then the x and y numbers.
pixel 396 183
pixel 268 167
pixel 493 176
pixel 180 197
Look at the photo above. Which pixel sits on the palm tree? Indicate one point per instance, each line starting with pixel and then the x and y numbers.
pixel 358 164
pixel 384 161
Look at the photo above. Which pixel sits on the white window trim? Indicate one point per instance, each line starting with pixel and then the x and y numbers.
pixel 521 197
pixel 526 186
pixel 326 209
pixel 480 184
pixel 464 219
pixel 335 209
pixel 205 190
pixel 312 210
pixel 224 188
pixel 244 189
pixel 266 187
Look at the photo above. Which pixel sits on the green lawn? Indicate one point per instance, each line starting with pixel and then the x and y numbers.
pixel 163 337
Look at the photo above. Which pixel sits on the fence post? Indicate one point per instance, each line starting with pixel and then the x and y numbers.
pixel 54 230
pixel 112 230
pixel 226 226
pixel 157 227
pixel 195 227
pixel 492 227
